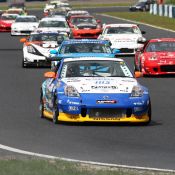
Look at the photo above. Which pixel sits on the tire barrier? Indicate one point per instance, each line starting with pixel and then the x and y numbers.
pixel 162 10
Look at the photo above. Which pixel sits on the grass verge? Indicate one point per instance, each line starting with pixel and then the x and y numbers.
pixel 100 5
pixel 32 166
pixel 145 17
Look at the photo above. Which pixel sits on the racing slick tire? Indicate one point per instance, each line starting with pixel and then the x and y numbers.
pixel 23 64
pixel 149 114
pixel 136 68
pixel 41 105
pixel 55 111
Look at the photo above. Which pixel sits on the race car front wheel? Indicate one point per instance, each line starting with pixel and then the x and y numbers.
pixel 149 113
pixel 23 64
pixel 55 111
pixel 41 105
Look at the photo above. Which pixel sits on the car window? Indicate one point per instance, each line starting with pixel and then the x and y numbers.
pixel 32 19
pixel 122 30
pixel 85 48
pixel 53 24
pixel 91 68
pixel 48 37
pixel 160 46
pixel 79 20
pixel 9 17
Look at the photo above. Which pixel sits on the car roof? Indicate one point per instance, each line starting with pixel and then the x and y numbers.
pixel 82 16
pixel 121 25
pixel 73 41
pixel 162 40
pixel 27 16
pixel 92 58
pixel 57 18
pixel 77 11
pixel 9 14
pixel 48 32
pixel 15 9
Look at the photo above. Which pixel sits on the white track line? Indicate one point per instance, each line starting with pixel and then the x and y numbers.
pixel 169 30
pixel 7 148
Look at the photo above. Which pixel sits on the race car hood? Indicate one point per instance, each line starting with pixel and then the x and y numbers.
pixel 123 40
pixel 72 55
pixel 86 26
pixel 25 25
pixel 45 47
pixel 101 84
pixel 159 56
pixel 6 22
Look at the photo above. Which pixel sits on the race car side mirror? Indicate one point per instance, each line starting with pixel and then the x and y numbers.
pixel 138 74
pixel 139 49
pixel 50 75
pixel 115 51
pixel 98 21
pixel 141 41
pixel 53 51
pixel 23 40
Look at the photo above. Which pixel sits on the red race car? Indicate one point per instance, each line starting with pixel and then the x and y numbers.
pixel 85 27
pixel 6 21
pixel 157 57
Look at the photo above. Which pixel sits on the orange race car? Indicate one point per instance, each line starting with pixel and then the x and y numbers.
pixel 85 27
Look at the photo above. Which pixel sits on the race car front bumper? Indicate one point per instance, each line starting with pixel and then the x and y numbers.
pixel 159 68
pixel 122 110
pixel 36 61
pixel 5 29
pixel 20 32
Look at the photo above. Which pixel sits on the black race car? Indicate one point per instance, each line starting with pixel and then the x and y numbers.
pixel 142 5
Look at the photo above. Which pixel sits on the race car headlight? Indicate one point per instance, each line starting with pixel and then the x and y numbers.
pixel 71 91
pixel 30 49
pixel 98 26
pixel 153 58
pixel 136 91
pixel 2 25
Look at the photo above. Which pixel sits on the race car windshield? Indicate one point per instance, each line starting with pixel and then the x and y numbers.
pixel 161 47
pixel 53 24
pixel 79 20
pixel 48 37
pixel 122 30
pixel 85 48
pixel 62 13
pixel 32 19
pixel 95 68
pixel 9 17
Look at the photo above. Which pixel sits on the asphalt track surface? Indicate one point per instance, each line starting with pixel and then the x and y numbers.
pixel 20 125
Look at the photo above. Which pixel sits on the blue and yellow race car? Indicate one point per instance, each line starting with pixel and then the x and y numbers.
pixel 94 89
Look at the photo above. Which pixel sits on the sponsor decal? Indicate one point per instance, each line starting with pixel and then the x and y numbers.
pixel 72 102
pixel 106 118
pixel 106 101
pixel 73 108
pixel 102 82
pixel 104 87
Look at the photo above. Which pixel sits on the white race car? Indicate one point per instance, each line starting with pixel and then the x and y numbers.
pixel 37 47
pixel 56 5
pixel 24 25
pixel 54 24
pixel 123 37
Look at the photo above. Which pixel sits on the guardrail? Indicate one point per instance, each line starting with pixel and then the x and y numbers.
pixel 163 10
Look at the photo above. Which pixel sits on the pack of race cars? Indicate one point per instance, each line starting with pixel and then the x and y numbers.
pixel 87 83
